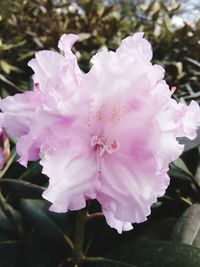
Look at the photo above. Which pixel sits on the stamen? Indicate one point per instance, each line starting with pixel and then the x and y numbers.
pixel 104 145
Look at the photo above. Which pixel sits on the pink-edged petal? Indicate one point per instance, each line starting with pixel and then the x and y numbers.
pixel 66 42
pixel 130 185
pixel 48 132
pixel 17 112
pixel 188 119
pixel 72 179
pixel 169 149
pixel 120 226
pixel 136 47
pixel 155 74
pixel 27 150
pixel 48 64
pixel 45 65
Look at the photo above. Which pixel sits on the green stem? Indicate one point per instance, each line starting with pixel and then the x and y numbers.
pixel 8 211
pixel 9 162
pixel 95 216
pixel 81 217
pixel 101 259
pixel 69 242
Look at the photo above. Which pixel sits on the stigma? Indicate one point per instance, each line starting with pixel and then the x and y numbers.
pixel 104 145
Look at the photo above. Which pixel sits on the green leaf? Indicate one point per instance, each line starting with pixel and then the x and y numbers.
pixel 177 172
pixel 35 213
pixel 181 165
pixel 33 171
pixel 21 188
pixel 9 254
pixel 159 230
pixel 187 229
pixel 5 224
pixel 152 253
pixel 108 11
pixel 191 159
pixel 5 66
pixel 193 61
pixel 5 80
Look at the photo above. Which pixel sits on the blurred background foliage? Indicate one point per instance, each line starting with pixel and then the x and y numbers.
pixel 30 235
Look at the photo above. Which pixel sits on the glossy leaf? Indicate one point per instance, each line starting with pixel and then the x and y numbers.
pixel 187 229
pixel 5 224
pixel 152 253
pixel 21 188
pixel 31 172
pixel 177 172
pixel 158 230
pixel 34 211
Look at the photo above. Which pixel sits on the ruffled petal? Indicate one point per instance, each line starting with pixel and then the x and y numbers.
pixel 48 132
pixel 136 47
pixel 45 65
pixel 119 74
pixel 72 179
pixel 65 44
pixel 188 119
pixel 120 226
pixel 18 112
pixel 130 185
pixel 48 64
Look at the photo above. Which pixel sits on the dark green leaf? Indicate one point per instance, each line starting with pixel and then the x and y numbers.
pixel 177 172
pixel 5 224
pixel 5 80
pixel 107 11
pixel 159 230
pixel 21 188
pixel 35 213
pixel 191 159
pixel 193 61
pixel 31 172
pixel 152 253
pixel 9 254
pixel 187 229
pixel 179 163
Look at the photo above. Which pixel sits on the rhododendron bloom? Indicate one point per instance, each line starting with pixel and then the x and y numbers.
pixel 109 134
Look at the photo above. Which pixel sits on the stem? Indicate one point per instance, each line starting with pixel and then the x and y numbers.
pixel 81 216
pixel 9 242
pixel 69 242
pixel 95 216
pixel 10 214
pixel 101 259
pixel 9 162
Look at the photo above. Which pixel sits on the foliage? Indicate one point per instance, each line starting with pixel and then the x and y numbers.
pixel 30 235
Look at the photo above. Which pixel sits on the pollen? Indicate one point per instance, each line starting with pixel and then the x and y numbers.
pixel 118 112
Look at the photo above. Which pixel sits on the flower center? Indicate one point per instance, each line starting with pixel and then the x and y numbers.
pixel 104 145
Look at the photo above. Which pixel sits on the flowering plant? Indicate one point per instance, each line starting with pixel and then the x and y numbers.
pixel 111 133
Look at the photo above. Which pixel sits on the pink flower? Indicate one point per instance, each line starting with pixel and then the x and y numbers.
pixel 108 135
